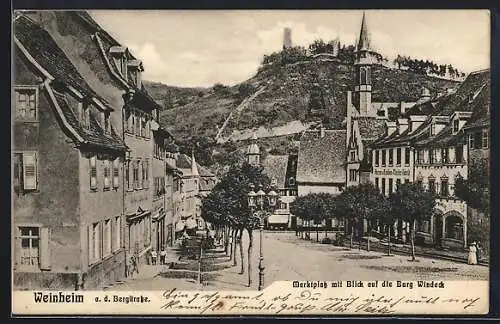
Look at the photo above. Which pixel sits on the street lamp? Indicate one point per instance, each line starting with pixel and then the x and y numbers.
pixel 256 200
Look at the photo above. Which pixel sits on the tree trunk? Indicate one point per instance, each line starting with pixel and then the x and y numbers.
pixel 317 233
pixel 412 238
pixel 250 246
pixel 389 244
pixel 369 236
pixel 242 256
pixel 234 246
pixel 352 235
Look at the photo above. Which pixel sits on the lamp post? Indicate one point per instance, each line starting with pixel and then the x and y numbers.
pixel 256 200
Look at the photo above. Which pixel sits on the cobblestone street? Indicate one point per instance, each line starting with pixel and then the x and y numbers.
pixel 287 257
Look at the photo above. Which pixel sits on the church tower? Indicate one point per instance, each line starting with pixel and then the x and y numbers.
pixel 287 38
pixel 365 57
pixel 253 152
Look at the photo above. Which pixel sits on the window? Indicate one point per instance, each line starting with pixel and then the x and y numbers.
pixel 478 136
pixel 94 243
pixel 391 189
pixel 145 174
pixel 437 155
pixel 444 187
pixel 117 233
pixel 486 136
pixel 127 175
pixel 383 157
pixel 353 155
pixel 432 185
pixel 30 246
pixel 362 77
pixel 137 121
pixel 107 237
pixel 143 126
pixel 26 103
pixel 398 156
pixel 407 180
pixel 93 172
pixel 376 158
pixel 431 156
pixel 128 120
pixel 146 127
pixel 418 156
pixel 282 205
pixel 116 173
pixel 84 112
pixel 106 175
pixel 407 155
pixel 471 141
pixel 420 183
pixel 25 171
pixel 444 155
pixel 376 182
pixel 459 154
pixel 398 182
pixel 136 174
pixel 391 156
pixel 456 126
pixel 352 175
pixel 383 186
pixel 107 125
pixel 291 181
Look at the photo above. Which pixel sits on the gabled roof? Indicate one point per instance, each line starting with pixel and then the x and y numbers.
pixel 95 135
pixel 460 100
pixel 47 55
pixel 275 166
pixel 481 109
pixel 322 159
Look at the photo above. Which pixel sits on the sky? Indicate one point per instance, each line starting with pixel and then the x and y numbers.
pixel 200 48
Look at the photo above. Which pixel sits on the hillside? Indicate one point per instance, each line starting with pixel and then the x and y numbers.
pixel 285 98
pixel 171 96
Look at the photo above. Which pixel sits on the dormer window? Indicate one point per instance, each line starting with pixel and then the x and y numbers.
pixel 84 114
pixel 134 68
pixel 107 124
pixel 456 126
pixel 120 59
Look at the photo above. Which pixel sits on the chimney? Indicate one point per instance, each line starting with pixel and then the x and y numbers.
pixel 402 125
pixel 391 127
pixel 416 121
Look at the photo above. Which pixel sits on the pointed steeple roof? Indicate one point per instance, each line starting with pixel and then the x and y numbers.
pixel 364 36
pixel 194 166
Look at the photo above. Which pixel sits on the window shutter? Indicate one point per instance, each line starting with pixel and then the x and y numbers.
pixel 93 173
pixel 116 173
pixel 29 171
pixel 17 248
pixel 90 246
pixel 45 253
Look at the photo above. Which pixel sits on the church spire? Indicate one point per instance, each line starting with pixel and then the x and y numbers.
pixel 364 36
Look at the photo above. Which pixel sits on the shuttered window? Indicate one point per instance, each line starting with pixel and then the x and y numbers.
pixel 29 171
pixel 26 104
pixel 136 174
pixel 107 241
pixel 94 243
pixel 117 233
pixel 116 173
pixel 107 180
pixel 32 247
pixel 93 172
pixel 145 174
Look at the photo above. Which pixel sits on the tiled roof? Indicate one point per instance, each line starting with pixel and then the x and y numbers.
pixel 95 135
pixel 45 51
pixel 370 127
pixel 50 57
pixel 322 159
pixel 459 101
pixel 481 107
pixel 275 166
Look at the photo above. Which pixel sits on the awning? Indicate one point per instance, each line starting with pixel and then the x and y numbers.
pixel 277 219
pixel 138 214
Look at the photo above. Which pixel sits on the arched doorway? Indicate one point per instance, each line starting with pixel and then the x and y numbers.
pixel 454 230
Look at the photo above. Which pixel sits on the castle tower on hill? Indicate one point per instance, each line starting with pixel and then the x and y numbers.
pixel 287 38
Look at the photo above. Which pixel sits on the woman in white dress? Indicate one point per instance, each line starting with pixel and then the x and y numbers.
pixel 472 254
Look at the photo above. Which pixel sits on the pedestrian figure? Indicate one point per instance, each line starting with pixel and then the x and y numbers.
pixel 154 256
pixel 472 254
pixel 478 252
pixel 163 255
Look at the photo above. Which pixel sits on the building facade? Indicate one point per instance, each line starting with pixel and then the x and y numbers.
pixel 67 162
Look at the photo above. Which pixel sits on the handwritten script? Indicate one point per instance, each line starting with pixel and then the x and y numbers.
pixel 311 301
